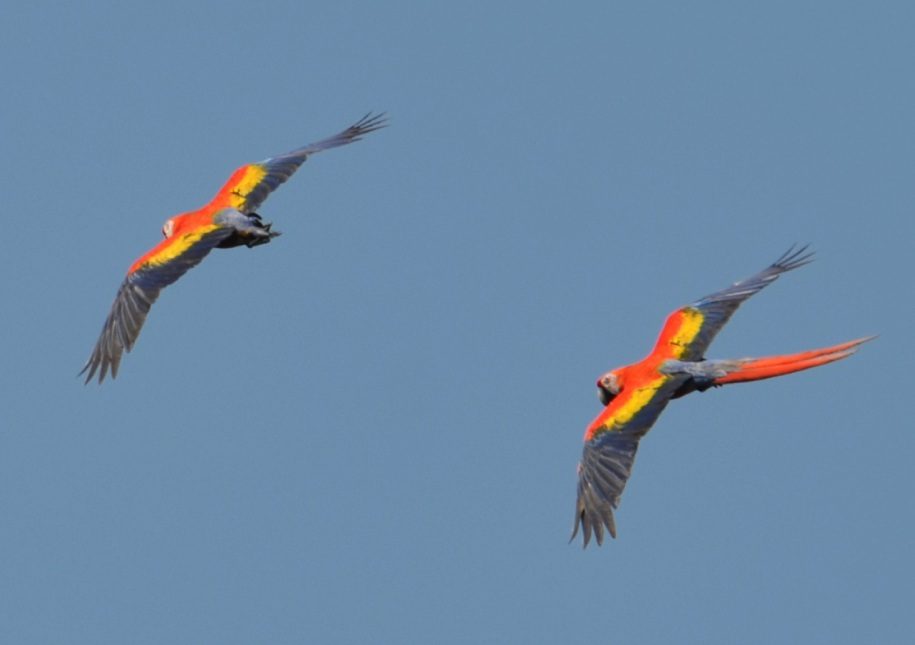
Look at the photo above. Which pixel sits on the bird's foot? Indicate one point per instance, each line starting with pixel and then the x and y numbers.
pixel 260 233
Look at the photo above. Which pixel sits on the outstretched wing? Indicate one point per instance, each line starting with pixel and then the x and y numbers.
pixel 611 442
pixel 689 331
pixel 250 185
pixel 161 266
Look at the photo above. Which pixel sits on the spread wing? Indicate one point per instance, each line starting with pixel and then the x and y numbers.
pixel 161 266
pixel 689 331
pixel 250 185
pixel 611 442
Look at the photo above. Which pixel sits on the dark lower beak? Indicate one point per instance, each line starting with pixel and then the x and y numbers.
pixel 604 395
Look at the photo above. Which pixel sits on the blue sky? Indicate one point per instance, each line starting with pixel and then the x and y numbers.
pixel 367 431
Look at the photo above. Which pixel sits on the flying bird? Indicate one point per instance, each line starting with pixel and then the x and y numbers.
pixel 635 395
pixel 229 220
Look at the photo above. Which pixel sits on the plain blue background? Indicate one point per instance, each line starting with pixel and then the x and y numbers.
pixel 367 431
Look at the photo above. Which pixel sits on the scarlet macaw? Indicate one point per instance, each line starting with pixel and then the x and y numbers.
pixel 635 395
pixel 229 220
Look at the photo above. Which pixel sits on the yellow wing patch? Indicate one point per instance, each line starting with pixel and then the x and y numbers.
pixel 639 398
pixel 250 177
pixel 690 325
pixel 621 411
pixel 179 244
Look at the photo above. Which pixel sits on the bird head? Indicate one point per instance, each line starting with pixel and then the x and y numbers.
pixel 608 386
pixel 168 229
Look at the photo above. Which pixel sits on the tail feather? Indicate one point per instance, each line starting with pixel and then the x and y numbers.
pixel 755 369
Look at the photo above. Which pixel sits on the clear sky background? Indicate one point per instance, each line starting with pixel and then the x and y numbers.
pixel 368 430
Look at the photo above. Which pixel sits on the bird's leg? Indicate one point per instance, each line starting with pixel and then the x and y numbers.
pixel 702 374
pixel 250 229
pixel 260 232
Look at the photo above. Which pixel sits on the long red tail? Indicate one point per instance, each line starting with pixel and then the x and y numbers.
pixel 755 369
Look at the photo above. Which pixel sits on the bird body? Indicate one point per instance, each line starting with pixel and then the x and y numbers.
pixel 184 232
pixel 635 395
pixel 227 221
pixel 646 378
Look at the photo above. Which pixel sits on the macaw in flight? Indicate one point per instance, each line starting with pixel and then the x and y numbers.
pixel 635 395
pixel 229 220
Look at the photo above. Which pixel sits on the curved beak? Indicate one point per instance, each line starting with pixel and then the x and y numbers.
pixel 604 395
